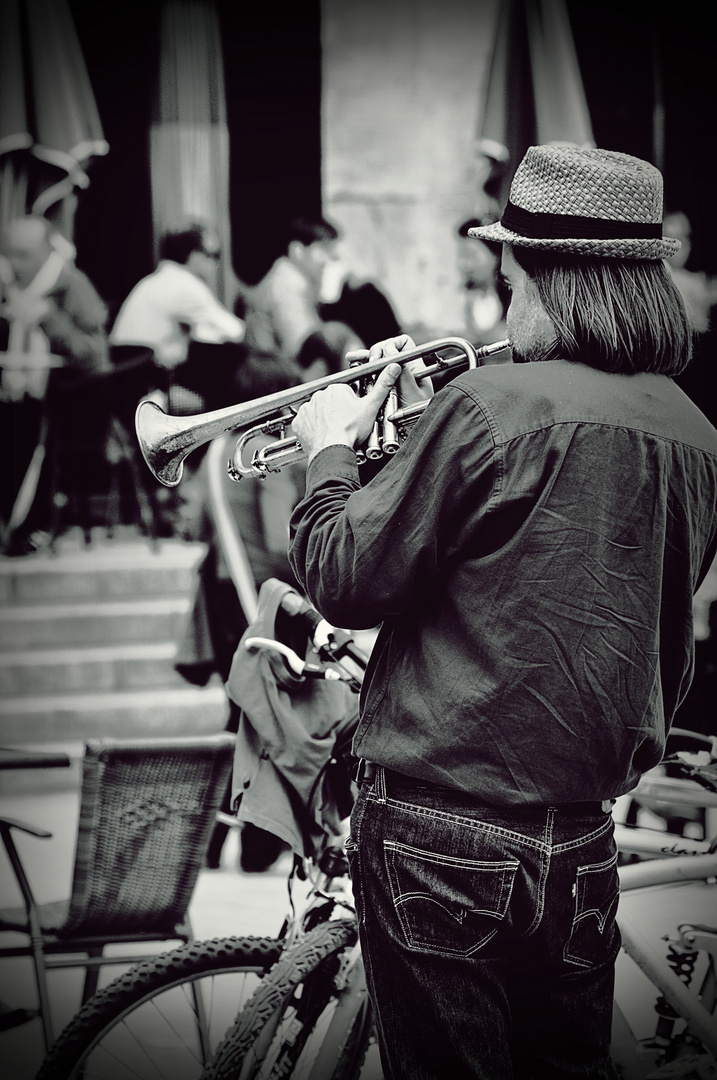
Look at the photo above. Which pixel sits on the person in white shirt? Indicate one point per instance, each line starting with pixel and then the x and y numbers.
pixel 175 305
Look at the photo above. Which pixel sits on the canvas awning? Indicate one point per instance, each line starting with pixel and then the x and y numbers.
pixel 49 124
pixel 534 90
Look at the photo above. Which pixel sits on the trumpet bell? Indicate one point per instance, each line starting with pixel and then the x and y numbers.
pixel 158 435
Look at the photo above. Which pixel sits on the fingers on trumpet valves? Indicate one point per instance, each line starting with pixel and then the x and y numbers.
pixel 384 437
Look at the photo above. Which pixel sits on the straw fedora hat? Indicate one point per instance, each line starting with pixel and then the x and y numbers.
pixel 584 202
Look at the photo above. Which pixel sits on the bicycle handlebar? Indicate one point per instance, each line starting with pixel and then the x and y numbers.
pixel 297 665
pixel 330 643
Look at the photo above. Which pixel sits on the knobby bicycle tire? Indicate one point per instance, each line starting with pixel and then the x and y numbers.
pixel 87 1047
pixel 258 1044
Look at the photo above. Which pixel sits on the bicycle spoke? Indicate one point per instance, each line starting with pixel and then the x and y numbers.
pixel 158 1037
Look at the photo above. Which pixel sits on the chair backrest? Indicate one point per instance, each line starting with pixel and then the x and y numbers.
pixel 147 811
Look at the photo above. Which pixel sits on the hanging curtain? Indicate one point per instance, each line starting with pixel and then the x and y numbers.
pixel 189 141
pixel 534 92
pixel 49 125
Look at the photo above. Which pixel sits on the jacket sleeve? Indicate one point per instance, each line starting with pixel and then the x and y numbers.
pixel 75 324
pixel 361 553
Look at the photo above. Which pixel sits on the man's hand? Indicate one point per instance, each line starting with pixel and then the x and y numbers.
pixel 409 391
pixel 338 416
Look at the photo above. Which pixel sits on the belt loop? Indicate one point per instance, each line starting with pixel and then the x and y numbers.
pixel 379 784
pixel 367 772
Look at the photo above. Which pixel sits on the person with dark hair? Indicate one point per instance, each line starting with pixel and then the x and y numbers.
pixel 351 300
pixel 283 308
pixel 531 553
pixel 176 304
pixel 179 247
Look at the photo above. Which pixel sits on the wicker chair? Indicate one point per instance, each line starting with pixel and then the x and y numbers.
pixel 147 811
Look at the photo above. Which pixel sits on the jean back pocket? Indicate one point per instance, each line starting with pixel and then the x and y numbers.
pixel 446 905
pixel 593 936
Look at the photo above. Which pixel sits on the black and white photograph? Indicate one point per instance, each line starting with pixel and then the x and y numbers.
pixel 358 540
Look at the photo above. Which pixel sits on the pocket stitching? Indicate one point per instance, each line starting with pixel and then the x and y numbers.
pixel 507 868
pixel 582 913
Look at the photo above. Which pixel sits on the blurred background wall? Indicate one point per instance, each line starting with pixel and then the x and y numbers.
pixel 402 90
pixel 371 111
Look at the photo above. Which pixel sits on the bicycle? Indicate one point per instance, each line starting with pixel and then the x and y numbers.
pixel 310 1016
pixel 673 1033
pixel 165 1016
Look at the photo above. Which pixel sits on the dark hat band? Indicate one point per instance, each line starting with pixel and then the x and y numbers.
pixel 539 226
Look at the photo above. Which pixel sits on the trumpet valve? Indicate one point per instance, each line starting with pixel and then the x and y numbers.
pixel 373 446
pixel 389 431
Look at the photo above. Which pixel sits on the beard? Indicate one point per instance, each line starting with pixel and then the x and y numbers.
pixel 536 353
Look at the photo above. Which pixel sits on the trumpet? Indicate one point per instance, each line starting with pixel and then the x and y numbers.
pixel 165 441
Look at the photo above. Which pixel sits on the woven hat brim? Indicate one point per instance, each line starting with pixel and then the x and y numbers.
pixel 599 249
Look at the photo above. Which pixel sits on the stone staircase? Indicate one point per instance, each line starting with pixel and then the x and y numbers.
pixel 87 643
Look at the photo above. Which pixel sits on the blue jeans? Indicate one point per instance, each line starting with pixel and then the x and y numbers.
pixel 489 936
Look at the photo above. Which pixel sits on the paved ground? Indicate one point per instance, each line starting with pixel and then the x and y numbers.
pixel 226 902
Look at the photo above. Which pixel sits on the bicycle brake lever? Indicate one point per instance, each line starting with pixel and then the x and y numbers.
pixel 297 665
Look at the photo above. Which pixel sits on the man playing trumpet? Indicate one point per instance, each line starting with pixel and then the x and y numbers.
pixel 531 553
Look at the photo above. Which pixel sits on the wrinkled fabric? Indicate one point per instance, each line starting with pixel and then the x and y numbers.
pixel 289 774
pixel 531 552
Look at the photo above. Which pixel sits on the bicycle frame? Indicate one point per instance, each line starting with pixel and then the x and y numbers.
pixel 690 881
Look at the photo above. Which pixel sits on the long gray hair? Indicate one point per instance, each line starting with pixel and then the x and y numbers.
pixel 611 314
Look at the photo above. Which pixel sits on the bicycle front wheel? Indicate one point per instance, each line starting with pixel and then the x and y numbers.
pixel 165 1016
pixel 303 1021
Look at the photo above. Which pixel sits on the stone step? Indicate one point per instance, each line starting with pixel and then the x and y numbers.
pixel 74 717
pixel 105 572
pixel 43 626
pixel 89 669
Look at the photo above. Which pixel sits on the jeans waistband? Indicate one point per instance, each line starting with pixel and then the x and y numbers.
pixel 366 772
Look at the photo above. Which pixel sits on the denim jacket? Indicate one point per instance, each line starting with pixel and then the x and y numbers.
pixel 531 553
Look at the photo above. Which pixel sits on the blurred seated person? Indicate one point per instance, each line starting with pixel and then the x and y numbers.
pixel 283 308
pixel 485 301
pixel 176 306
pixel 48 307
